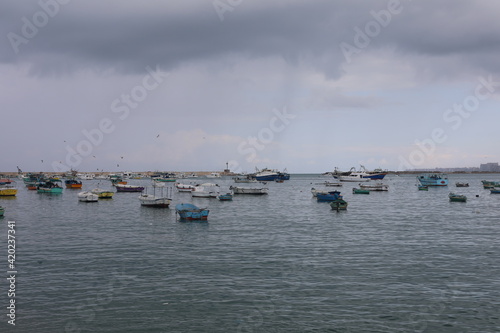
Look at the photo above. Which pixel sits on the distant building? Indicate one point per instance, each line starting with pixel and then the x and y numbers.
pixel 489 167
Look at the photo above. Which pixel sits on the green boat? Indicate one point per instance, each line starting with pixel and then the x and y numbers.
pixel 360 191
pixel 2 210
pixel 49 187
pixel 339 204
pixel 457 197
pixel 423 188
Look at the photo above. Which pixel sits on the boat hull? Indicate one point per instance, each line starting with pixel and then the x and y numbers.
pixel 189 212
pixel 433 180
pixel 57 190
pixel 152 201
pixel 128 188
pixel 88 197
pixel 8 192
pixel 249 190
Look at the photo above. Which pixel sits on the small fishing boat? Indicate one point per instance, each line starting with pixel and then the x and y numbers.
pixel 423 188
pixel 2 211
pixel 7 191
pixel 490 184
pixel 494 191
pixel 375 187
pixel 247 179
pixel 87 196
pixel 152 200
pixel 339 204
pixel 49 187
pixel 249 190
pixel 328 197
pixel 190 212
pixel 315 192
pixel 433 179
pixel 327 183
pixel 103 194
pixel 457 197
pixel 184 187
pixel 206 190
pixel 73 183
pixel 458 184
pixel 225 197
pixel 360 191
pixel 128 188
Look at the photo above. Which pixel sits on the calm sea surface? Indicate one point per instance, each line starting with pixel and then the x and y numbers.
pixel 397 261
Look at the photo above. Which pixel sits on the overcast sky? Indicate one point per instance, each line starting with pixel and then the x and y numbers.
pixel 304 85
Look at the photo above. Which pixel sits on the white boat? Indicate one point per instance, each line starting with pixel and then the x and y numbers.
pixel 244 180
pixel 375 187
pixel 85 176
pixel 354 177
pixel 157 183
pixel 249 190
pixel 151 200
pixel 315 192
pixel 267 175
pixel 214 175
pixel 87 196
pixel 184 187
pixel 206 190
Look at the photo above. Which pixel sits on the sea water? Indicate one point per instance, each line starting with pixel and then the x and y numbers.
pixel 397 261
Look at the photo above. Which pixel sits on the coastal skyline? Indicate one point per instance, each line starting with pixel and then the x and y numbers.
pixel 302 85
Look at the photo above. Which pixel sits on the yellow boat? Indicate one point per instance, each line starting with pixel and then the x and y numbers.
pixel 8 191
pixel 103 194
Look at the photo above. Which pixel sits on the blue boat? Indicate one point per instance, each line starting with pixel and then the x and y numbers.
pixel 328 197
pixel 433 179
pixel 225 197
pixel 190 212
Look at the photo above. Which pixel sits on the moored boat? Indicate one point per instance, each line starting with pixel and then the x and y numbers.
pixel 494 191
pixel 328 197
pixel 433 179
pixel 128 188
pixel 357 176
pixel 225 197
pixel 2 211
pixel 190 212
pixel 458 184
pixel 339 204
pixel 184 187
pixel 265 175
pixel 457 197
pixel 249 190
pixel 423 188
pixel 7 191
pixel 103 194
pixel 87 196
pixel 375 187
pixel 73 183
pixel 151 200
pixel 205 190
pixel 315 192
pixel 246 179
pixel 360 191
pixel 49 187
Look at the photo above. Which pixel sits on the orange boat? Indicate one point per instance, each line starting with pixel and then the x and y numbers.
pixel 72 183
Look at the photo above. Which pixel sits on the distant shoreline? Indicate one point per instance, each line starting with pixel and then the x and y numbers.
pixel 204 173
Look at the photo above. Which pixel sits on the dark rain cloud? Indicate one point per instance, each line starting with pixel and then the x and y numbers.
pixel 127 36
